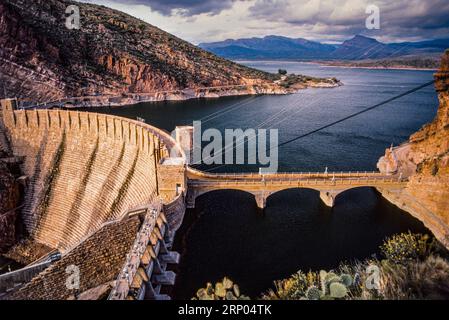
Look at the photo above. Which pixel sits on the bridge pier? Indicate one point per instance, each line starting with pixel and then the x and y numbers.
pixel 329 196
pixel 191 198
pixel 261 200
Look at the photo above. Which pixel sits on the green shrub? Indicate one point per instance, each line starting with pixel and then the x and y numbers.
pixel 312 286
pixel 405 247
pixel 282 72
pixel 415 267
pixel 313 293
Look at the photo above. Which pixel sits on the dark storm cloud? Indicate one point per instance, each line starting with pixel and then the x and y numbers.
pixel 399 18
pixel 322 20
pixel 184 7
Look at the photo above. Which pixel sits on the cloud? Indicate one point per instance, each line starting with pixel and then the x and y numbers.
pixel 322 20
pixel 183 7
pixel 399 18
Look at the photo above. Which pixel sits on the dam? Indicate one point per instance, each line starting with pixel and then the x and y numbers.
pixel 105 195
pixel 94 189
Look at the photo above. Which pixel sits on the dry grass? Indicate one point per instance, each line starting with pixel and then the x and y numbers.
pixel 415 268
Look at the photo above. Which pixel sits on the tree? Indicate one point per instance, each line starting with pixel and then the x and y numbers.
pixel 282 72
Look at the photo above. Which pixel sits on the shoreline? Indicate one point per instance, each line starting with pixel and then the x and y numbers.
pixel 323 64
pixel 177 95
pixel 330 65
pixel 378 68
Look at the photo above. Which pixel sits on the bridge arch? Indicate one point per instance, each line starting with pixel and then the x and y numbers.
pixel 229 193
pixel 349 190
pixel 195 193
pixel 303 190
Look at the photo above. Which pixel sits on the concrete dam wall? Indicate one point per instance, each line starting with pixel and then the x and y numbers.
pixel 83 169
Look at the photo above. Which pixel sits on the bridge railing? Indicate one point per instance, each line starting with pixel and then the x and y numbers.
pixel 330 182
pixel 133 258
pixel 283 175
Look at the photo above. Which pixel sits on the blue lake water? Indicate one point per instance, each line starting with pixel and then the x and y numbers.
pixel 353 145
pixel 226 236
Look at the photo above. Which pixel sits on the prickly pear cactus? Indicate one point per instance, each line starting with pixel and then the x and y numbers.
pixel 333 280
pixel 227 283
pixel 220 291
pixel 323 275
pixel 230 296
pixel 313 293
pixel 338 290
pixel 330 276
pixel 346 279
pixel 236 290
pixel 224 290
pixel 205 294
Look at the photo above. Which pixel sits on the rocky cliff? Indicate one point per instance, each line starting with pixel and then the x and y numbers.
pixel 111 54
pixel 9 193
pixel 427 154
pixel 9 198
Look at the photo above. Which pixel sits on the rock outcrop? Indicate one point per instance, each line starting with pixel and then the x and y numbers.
pixel 9 198
pixel 9 193
pixel 112 54
pixel 427 192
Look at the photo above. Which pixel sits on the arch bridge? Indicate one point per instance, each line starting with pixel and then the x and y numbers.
pixel 329 185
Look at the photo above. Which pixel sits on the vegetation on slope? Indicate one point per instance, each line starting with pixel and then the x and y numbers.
pixel 431 61
pixel 414 266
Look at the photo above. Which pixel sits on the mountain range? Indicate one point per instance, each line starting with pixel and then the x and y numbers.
pixel 357 48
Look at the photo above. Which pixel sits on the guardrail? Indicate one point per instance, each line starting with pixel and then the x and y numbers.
pixel 332 182
pixel 127 274
pixel 338 174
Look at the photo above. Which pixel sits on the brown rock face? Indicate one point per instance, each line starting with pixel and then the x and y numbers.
pixel 427 193
pixel 112 53
pixel 9 198
pixel 430 152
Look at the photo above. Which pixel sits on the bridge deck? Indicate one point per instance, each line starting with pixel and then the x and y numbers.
pixel 304 181
pixel 262 186
pixel 195 174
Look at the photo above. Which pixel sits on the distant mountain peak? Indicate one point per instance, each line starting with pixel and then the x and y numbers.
pixel 359 47
pixel 270 46
pixel 359 36
pixel 361 39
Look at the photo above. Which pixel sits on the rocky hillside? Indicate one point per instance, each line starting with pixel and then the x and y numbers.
pixel 427 153
pixel 9 193
pixel 111 54
pixel 430 151
pixel 9 199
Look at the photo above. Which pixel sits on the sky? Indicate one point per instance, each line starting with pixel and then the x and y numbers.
pixel 330 21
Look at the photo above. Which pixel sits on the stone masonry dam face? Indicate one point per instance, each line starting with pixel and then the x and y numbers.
pixel 83 169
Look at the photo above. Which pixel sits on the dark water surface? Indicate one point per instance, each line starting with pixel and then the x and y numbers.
pixel 226 236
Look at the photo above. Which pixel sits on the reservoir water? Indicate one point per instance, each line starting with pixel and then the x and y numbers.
pixel 226 236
